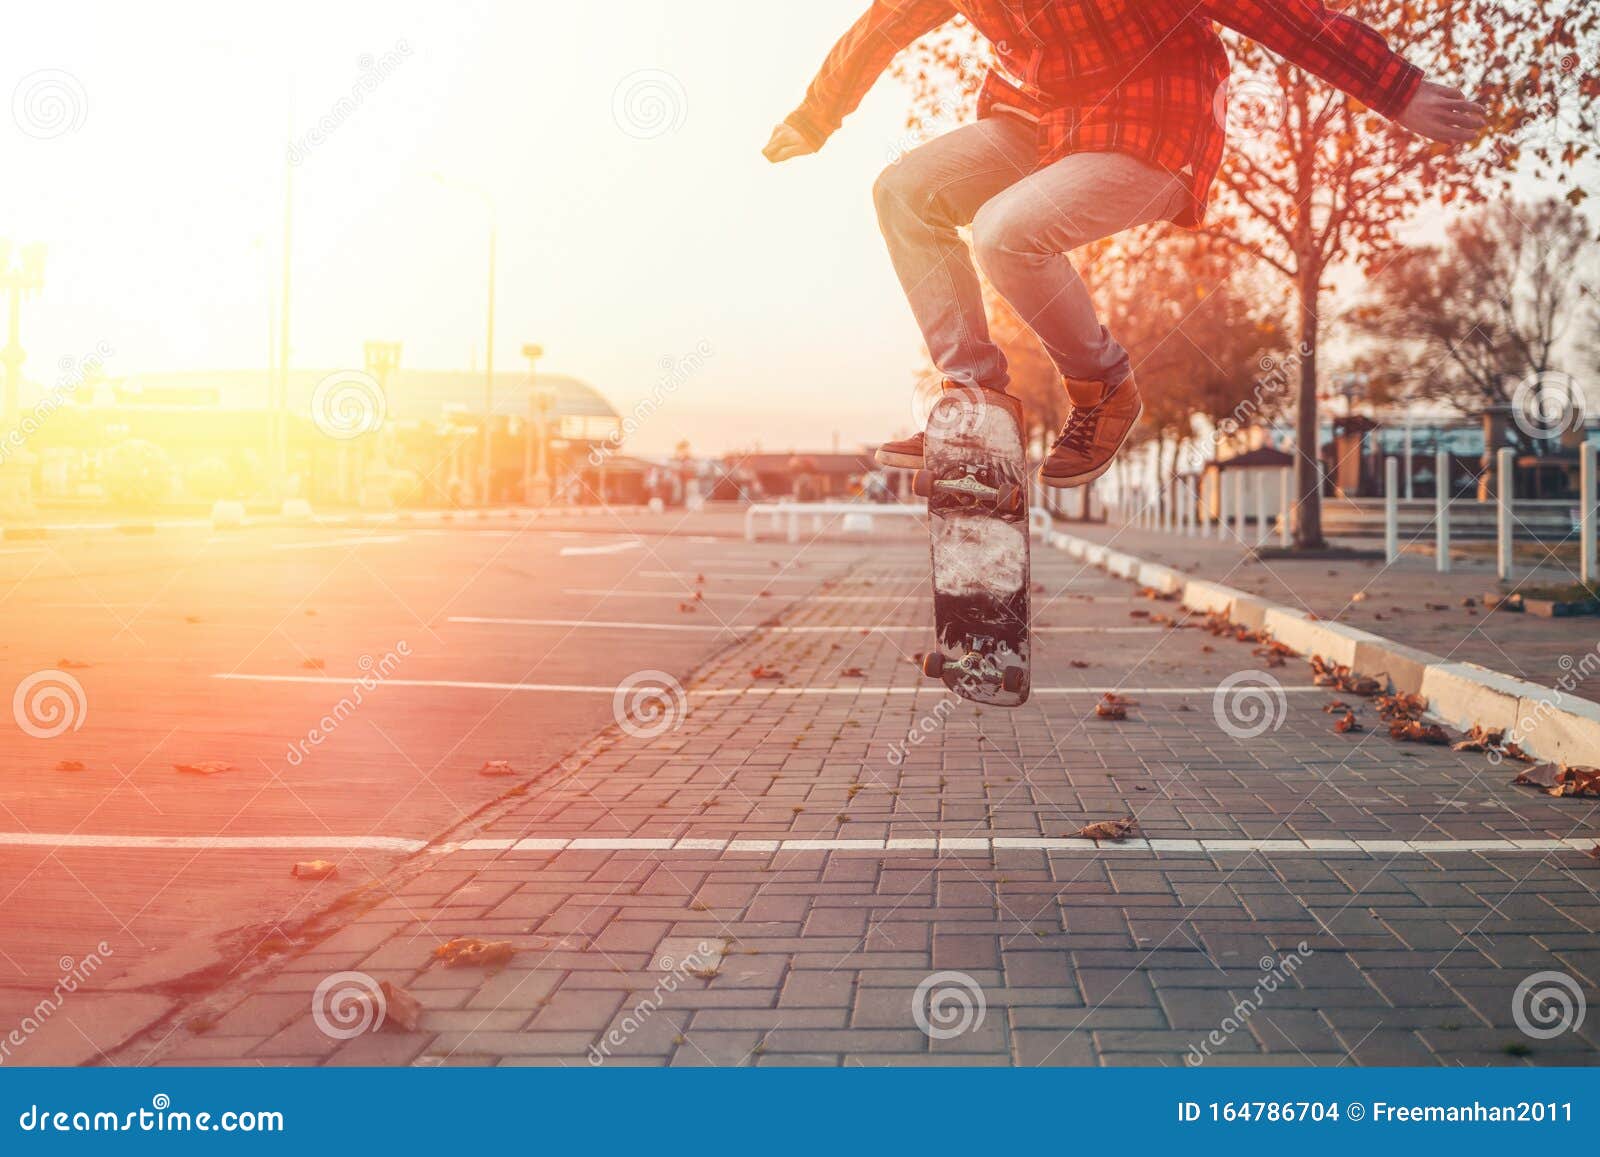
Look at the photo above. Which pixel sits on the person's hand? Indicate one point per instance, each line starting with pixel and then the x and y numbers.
pixel 1444 114
pixel 787 143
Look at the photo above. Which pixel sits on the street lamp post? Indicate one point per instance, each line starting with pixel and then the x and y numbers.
pixel 17 279
pixel 535 457
pixel 376 486
pixel 488 354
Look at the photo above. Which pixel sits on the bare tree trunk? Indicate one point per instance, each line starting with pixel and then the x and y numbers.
pixel 1308 523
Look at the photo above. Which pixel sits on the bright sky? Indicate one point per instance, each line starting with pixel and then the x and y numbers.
pixel 620 251
pixel 162 209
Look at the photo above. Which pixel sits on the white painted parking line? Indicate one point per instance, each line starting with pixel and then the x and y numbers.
pixel 692 576
pixel 609 548
pixel 716 692
pixel 589 624
pixel 984 844
pixel 357 540
pixel 943 845
pixel 212 843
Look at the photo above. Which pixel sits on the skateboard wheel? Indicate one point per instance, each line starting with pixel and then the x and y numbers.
pixel 933 665
pixel 1011 681
pixel 922 484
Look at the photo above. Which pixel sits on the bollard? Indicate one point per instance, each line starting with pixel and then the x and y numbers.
pixel 1391 508
pixel 1241 506
pixel 1261 508
pixel 1286 508
pixel 1505 486
pixel 1586 512
pixel 1441 511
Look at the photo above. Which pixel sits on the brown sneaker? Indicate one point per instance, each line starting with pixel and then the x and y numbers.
pixel 1096 429
pixel 906 454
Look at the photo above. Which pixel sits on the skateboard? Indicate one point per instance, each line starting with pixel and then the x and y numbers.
pixel 974 477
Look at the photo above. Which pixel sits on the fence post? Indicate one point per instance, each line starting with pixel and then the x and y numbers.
pixel 1286 511
pixel 1391 509
pixel 1587 514
pixel 1505 487
pixel 1241 505
pixel 1441 511
pixel 1262 530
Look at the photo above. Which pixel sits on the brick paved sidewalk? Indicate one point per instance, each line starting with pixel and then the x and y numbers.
pixel 847 866
pixel 1407 601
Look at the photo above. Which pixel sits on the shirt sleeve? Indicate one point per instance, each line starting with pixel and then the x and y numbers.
pixel 859 58
pixel 1340 49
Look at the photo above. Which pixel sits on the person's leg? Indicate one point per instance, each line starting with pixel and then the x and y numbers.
pixel 1023 236
pixel 922 201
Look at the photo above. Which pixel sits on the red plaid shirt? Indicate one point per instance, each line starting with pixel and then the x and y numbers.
pixel 1142 77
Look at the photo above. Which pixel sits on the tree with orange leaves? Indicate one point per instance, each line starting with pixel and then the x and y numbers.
pixel 1316 181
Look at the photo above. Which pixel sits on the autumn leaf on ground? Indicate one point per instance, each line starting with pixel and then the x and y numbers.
pixel 1360 597
pixel 72 665
pixel 765 673
pixel 1514 751
pixel 1336 706
pixel 853 673
pixel 400 1007
pixel 1138 614
pixel 467 951
pixel 314 870
pixel 497 767
pixel 1111 711
pixel 70 765
pixel 204 767
pixel 1481 738
pixel 1415 731
pixel 1347 724
pixel 315 664
pixel 1079 665
pixel 1113 830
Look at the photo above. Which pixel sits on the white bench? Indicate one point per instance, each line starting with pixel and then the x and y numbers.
pixel 858 516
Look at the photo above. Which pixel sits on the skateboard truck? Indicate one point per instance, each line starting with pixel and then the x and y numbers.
pixel 974 664
pixel 968 489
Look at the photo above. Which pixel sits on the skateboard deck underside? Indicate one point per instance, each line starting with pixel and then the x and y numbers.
pixel 980 549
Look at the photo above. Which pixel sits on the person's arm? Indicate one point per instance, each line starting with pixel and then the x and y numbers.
pixel 852 68
pixel 1354 58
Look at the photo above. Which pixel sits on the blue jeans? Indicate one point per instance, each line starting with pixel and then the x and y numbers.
pixel 1024 222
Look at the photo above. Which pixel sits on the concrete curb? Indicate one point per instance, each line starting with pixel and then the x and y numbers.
pixel 1547 723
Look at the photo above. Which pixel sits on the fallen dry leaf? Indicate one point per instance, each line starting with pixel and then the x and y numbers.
pixel 1335 706
pixel 1079 665
pixel 497 767
pixel 315 664
pixel 765 673
pixel 853 673
pixel 1347 724
pixel 469 951
pixel 315 870
pixel 70 765
pixel 1114 830
pixel 1112 711
pixel 72 665
pixel 1415 731
pixel 204 767
pixel 1481 738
